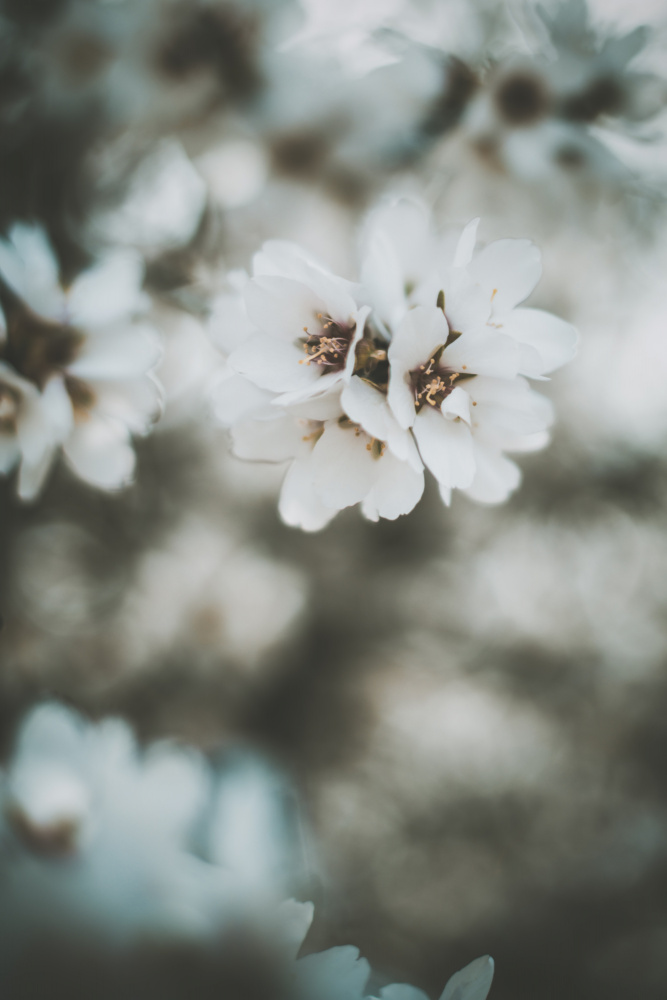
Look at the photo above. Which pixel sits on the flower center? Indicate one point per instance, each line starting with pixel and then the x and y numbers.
pixel 432 382
pixel 329 348
pixel 9 408
pixel 371 362
pixel 81 397
pixel 35 346
pixel 522 98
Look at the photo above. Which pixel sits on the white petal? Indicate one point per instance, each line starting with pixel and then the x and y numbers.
pixel 235 398
pixel 57 407
pixel 9 453
pixel 508 270
pixel 528 442
pixel 553 340
pixel 136 402
pixel 108 292
pixel 164 203
pixel 271 440
pixel 457 404
pixel 339 966
pixel 274 364
pixel 344 467
pixel 483 352
pixel 397 489
pixel 32 475
pixel 507 409
pixel 285 259
pixel 400 396
pixel 466 245
pixel 368 407
pixel 299 505
pixel 398 234
pixel 495 476
pixel 401 991
pixel 471 983
pixel 467 304
pixel 281 307
pixel 383 280
pixel 32 428
pixel 446 448
pixel 324 407
pixel 422 331
pixel 445 494
pixel 100 452
pixel 228 324
pixel 29 265
pixel 117 352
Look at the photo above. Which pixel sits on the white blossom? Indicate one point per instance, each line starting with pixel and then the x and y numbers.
pixel 97 837
pixel 306 325
pixel 26 433
pixel 85 351
pixel 548 110
pixel 341 973
pixel 460 346
pixel 433 373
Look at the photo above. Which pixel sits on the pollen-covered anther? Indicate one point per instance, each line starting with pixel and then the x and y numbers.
pixel 329 348
pixel 377 448
pixel 432 382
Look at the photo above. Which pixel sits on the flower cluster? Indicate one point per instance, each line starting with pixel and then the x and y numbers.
pixel 75 364
pixel 102 839
pixel 360 387
pixel 98 839
pixel 550 110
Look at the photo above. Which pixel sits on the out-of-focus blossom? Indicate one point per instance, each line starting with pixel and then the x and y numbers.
pixel 547 111
pixel 85 353
pixel 98 838
pixel 25 431
pixel 368 35
pixel 204 588
pixel 341 973
pixel 163 205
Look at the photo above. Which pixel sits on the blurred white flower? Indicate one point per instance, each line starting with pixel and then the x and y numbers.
pixel 92 833
pixel 163 206
pixel 340 974
pixel 546 111
pixel 206 587
pixel 26 433
pixel 83 350
pixel 98 838
pixel 349 30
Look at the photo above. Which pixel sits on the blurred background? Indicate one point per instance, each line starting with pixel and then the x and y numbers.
pixel 466 706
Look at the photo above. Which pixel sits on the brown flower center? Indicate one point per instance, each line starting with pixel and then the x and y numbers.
pixel 57 839
pixel 522 98
pixel 432 382
pixel 36 347
pixel 9 407
pixel 329 348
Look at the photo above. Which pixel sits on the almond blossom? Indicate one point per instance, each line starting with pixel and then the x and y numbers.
pixel 306 325
pixel 79 359
pixel 428 371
